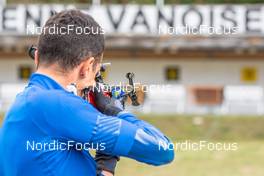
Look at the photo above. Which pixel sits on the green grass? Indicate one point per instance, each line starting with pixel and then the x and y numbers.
pixel 207 127
pixel 247 160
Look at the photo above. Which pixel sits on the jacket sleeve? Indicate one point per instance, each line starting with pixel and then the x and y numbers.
pixel 124 135
pixel 127 136
pixel 150 145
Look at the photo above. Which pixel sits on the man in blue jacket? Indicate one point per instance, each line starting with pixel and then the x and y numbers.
pixel 48 130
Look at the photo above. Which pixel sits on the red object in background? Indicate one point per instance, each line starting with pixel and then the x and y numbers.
pixel 91 97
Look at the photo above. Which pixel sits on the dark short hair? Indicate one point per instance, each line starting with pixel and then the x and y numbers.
pixel 70 49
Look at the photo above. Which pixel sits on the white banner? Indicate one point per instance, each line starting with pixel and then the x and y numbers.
pixel 147 19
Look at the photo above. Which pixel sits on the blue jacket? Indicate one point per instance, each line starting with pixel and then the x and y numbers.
pixel 49 130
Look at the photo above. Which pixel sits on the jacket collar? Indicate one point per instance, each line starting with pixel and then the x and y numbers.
pixel 44 81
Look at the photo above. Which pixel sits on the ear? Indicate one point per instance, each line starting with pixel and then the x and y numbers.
pixel 86 66
pixel 36 59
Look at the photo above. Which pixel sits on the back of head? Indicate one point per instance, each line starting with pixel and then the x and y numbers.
pixel 68 38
